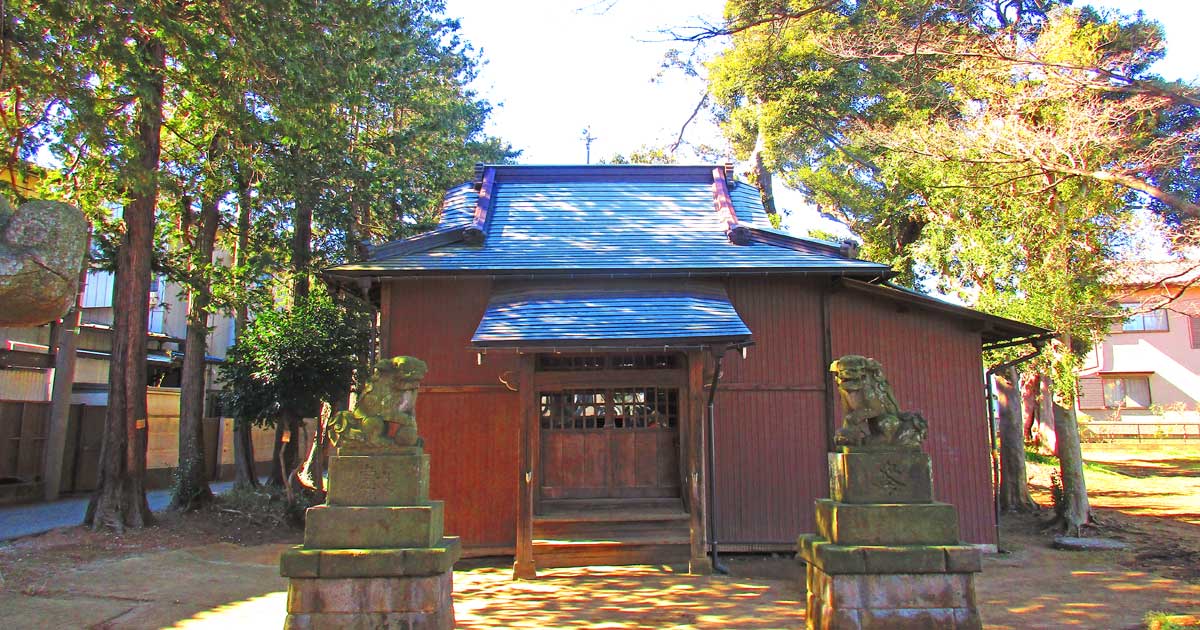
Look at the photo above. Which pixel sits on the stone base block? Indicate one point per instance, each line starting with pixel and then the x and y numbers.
pixel 369 621
pixel 887 523
pixel 376 603
pixel 342 527
pixel 835 559
pixel 299 562
pixel 880 476
pixel 379 479
pixel 893 602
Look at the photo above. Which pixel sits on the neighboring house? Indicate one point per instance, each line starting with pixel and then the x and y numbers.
pixel 573 318
pixel 1148 367
pixel 25 363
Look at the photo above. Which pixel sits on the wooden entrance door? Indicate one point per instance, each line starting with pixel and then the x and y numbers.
pixel 609 442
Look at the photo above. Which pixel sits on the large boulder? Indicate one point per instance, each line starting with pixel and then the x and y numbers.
pixel 41 252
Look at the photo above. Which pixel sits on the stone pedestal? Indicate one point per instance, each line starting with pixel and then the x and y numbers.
pixel 374 556
pixel 886 555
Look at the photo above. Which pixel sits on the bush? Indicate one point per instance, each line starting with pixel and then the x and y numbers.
pixel 267 505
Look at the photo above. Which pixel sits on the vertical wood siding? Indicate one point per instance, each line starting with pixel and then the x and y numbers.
pixel 770 426
pixel 770 433
pixel 934 365
pixel 467 417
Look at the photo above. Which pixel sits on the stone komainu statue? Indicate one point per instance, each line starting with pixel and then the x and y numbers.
pixel 384 417
pixel 872 416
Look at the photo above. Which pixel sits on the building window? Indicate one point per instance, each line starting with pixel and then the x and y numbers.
pixel 623 408
pixel 1155 320
pixel 154 323
pixel 1126 392
pixel 1194 322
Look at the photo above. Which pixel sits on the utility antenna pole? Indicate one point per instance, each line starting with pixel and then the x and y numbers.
pixel 587 141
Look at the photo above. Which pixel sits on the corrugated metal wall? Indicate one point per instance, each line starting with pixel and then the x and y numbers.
pixel 770 427
pixel 467 417
pixel 771 436
pixel 934 365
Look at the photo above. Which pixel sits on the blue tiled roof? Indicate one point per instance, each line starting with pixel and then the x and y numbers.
pixel 638 314
pixel 602 226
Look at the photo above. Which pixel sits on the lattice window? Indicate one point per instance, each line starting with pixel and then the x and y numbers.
pixel 560 363
pixel 644 362
pixel 622 408
pixel 644 408
pixel 595 363
pixel 574 409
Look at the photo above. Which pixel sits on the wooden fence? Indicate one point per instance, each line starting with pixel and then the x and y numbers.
pixel 1104 431
pixel 23 428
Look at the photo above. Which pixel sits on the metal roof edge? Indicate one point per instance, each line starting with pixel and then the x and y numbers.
pixel 612 345
pixel 422 242
pixel 779 238
pixel 1002 328
pixel 876 271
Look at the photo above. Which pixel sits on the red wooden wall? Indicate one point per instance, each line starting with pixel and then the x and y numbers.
pixel 770 408
pixel 466 415
pixel 934 365
pixel 770 429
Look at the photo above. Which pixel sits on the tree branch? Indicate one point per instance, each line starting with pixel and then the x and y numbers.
pixel 695 112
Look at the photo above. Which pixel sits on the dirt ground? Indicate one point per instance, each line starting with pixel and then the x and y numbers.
pixel 217 569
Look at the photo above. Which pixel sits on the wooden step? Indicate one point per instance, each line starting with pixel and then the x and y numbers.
pixel 585 532
pixel 646 528
pixel 582 554
pixel 550 507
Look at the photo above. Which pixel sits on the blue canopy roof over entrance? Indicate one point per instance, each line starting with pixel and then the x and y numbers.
pixel 632 315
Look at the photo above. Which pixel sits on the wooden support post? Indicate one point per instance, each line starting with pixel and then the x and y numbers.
pixel 65 343
pixel 693 450
pixel 524 567
pixel 385 323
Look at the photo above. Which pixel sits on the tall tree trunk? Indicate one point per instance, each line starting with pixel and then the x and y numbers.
pixel 120 497
pixel 1030 386
pixel 191 489
pixel 1014 482
pixel 312 473
pixel 244 473
pixel 1075 510
pixel 287 427
pixel 302 248
pixel 760 175
pixel 1047 432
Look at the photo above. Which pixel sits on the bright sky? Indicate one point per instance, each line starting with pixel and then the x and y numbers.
pixel 555 67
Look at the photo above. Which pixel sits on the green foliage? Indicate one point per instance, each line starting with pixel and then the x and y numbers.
pixel 293 359
pixel 822 235
pixel 267 505
pixel 988 150
pixel 1050 460
pixel 1162 621
pixel 644 155
pixel 354 110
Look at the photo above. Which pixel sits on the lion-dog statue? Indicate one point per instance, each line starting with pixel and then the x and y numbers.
pixel 872 416
pixel 384 417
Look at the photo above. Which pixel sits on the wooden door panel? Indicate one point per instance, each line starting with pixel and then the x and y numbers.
pixel 668 459
pixel 609 442
pixel 573 465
